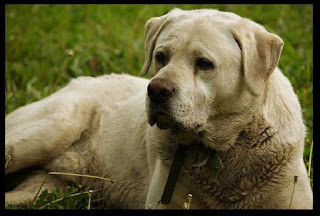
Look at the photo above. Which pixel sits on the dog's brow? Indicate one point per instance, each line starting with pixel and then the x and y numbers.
pixel 161 47
pixel 205 53
pixel 166 48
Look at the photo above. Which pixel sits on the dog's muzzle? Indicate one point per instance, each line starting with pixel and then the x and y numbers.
pixel 159 92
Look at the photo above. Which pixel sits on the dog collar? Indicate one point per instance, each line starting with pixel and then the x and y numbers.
pixel 175 169
pixel 215 160
pixel 177 163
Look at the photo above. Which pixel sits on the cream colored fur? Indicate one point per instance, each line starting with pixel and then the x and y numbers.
pixel 244 108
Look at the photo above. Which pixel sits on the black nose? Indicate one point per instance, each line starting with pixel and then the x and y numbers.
pixel 160 90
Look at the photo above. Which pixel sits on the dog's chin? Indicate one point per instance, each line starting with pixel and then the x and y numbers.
pixel 165 122
pixel 162 121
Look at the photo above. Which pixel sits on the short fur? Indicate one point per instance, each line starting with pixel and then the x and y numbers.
pixel 244 108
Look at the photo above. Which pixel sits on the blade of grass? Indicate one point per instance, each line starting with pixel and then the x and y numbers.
pixel 7 162
pixel 185 206
pixel 89 202
pixel 35 197
pixel 189 201
pixel 310 158
pixel 64 67
pixel 81 175
pixel 295 179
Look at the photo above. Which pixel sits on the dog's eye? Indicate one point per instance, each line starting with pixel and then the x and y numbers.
pixel 204 64
pixel 161 58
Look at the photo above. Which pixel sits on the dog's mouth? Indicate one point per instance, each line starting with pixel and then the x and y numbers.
pixel 165 121
pixel 162 120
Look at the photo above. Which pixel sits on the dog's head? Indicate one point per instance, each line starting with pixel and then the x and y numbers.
pixel 205 64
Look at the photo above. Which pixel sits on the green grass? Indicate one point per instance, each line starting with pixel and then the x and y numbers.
pixel 105 39
pixel 72 197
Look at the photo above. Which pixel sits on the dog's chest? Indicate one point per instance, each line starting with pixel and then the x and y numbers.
pixel 199 174
pixel 222 181
pixel 207 175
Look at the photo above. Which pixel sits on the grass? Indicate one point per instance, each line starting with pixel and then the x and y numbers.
pixel 70 174
pixel 48 45
pixel 73 197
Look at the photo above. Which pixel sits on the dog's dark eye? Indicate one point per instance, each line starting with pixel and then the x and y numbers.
pixel 161 58
pixel 204 64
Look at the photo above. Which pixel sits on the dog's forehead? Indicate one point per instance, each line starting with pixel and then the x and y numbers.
pixel 205 26
pixel 203 21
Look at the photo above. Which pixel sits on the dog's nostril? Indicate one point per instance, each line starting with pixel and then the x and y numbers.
pixel 160 90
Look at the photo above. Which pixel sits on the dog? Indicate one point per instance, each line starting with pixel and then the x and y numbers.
pixel 215 92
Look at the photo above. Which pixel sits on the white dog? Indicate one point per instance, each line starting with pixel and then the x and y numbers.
pixel 215 91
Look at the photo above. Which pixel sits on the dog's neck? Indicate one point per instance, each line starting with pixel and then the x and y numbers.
pixel 221 135
pixel 242 169
pixel 224 130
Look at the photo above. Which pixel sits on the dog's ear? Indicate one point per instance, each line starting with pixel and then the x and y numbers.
pixel 260 53
pixel 153 28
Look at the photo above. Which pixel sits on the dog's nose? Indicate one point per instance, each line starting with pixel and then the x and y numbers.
pixel 160 90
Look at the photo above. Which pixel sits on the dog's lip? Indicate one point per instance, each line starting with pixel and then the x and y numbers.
pixel 161 113
pixel 161 119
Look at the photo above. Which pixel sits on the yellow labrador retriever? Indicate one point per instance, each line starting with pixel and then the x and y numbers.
pixel 218 120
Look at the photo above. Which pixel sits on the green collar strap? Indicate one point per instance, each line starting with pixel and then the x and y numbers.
pixel 177 163
pixel 173 175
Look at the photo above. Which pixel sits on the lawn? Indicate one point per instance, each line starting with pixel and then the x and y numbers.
pixel 48 45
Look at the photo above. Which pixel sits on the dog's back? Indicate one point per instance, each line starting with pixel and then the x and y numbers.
pixel 62 133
